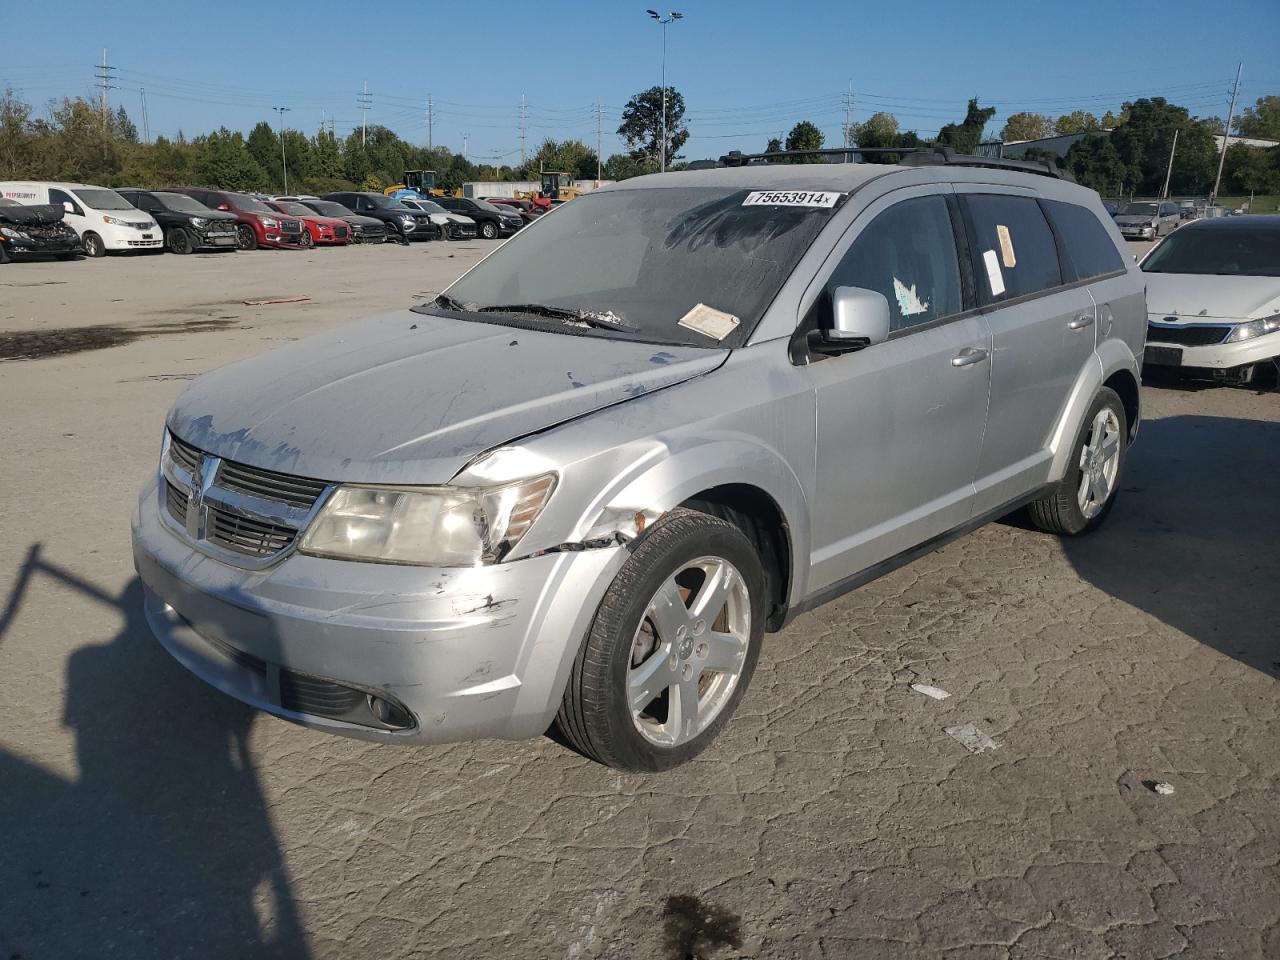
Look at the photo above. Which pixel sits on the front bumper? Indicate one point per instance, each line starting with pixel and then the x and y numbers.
pixel 217 241
pixel 36 247
pixel 1218 356
pixel 468 653
pixel 462 231
pixel 1138 233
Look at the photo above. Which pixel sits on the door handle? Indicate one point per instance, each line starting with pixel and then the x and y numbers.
pixel 969 356
pixel 1080 322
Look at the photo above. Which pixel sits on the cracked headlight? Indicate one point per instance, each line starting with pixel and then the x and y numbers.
pixel 428 526
pixel 13 234
pixel 1254 328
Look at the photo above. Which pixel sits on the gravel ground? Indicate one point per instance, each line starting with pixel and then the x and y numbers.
pixel 146 815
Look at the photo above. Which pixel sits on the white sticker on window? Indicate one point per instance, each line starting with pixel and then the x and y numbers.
pixel 709 321
pixel 909 302
pixel 791 198
pixel 995 279
pixel 1006 246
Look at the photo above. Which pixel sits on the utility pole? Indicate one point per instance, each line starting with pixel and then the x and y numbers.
pixel 284 164
pixel 364 100
pixel 1226 134
pixel 103 73
pixel 523 127
pixel 464 148
pixel 848 119
pixel 1164 193
pixel 146 127
pixel 670 18
pixel 431 122
pixel 599 141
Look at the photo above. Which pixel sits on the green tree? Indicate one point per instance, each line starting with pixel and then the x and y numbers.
pixel 623 166
pixel 264 147
pixel 773 146
pixel 805 136
pixel 1078 121
pixel 1143 142
pixel 641 124
pixel 123 127
pixel 1262 120
pixel 1027 126
pixel 18 143
pixel 878 130
pixel 1095 162
pixel 82 146
pixel 573 156
pixel 1251 170
pixel 964 137
pixel 224 161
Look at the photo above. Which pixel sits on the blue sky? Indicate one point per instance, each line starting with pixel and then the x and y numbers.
pixel 748 70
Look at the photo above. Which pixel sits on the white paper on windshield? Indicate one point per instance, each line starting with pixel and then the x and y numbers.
pixel 994 277
pixel 709 322
pixel 791 198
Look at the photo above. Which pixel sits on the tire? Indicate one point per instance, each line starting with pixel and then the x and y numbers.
pixel 305 240
pixel 395 234
pixel 246 239
pixel 180 241
pixel 1074 508
pixel 4 253
pixel 93 245
pixel 629 655
pixel 488 230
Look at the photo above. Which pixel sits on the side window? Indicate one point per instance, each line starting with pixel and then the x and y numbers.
pixel 61 197
pixel 907 253
pixel 1013 249
pixel 1089 249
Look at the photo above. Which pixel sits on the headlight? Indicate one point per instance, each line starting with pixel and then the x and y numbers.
pixel 430 526
pixel 268 222
pixel 199 222
pixel 116 221
pixel 408 220
pixel 1254 328
pixel 13 234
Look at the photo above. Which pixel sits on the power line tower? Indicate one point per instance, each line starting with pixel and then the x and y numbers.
pixel 365 101
pixel 1226 134
pixel 523 125
pixel 103 74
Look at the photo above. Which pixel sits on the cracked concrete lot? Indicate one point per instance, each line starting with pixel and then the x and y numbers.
pixel 146 815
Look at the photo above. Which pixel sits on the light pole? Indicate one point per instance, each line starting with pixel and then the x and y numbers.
pixel 284 164
pixel 669 18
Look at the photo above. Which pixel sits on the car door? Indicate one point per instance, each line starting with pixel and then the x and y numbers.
pixel 1042 335
pixel 74 216
pixel 899 424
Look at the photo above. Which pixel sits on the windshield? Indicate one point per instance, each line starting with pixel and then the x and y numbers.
pixel 249 204
pixel 98 199
pixel 179 203
pixel 646 258
pixel 386 203
pixel 327 208
pixel 295 209
pixel 430 207
pixel 1234 252
pixel 1138 210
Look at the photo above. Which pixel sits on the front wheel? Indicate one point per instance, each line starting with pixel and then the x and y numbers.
pixel 93 245
pixel 672 648
pixel 488 229
pixel 246 239
pixel 1081 501
pixel 180 240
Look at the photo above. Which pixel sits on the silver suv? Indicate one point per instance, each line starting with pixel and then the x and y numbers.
pixel 582 484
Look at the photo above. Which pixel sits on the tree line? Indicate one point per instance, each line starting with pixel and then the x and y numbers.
pixel 76 141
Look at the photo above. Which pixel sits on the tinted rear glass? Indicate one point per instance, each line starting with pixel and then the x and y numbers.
pixel 1013 249
pixel 1089 248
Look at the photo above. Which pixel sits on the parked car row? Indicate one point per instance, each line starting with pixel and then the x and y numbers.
pixel 40 218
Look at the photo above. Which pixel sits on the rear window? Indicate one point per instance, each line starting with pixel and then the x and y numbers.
pixel 1013 248
pixel 1089 248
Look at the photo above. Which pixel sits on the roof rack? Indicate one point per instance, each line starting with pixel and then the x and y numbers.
pixel 911 156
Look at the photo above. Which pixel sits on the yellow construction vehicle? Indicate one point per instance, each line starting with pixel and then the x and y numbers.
pixel 422 181
pixel 558 185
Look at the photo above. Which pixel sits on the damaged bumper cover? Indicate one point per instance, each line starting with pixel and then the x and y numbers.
pixel 378 651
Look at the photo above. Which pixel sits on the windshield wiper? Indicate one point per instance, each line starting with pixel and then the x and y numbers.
pixel 592 318
pixel 449 303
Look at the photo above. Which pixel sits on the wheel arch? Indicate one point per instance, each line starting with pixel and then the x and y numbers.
pixel 1111 365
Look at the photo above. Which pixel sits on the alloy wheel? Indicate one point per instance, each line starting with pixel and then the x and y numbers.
pixel 1099 463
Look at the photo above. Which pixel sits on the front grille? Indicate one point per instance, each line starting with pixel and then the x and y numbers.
pixel 296 491
pixel 44 231
pixel 340 232
pixel 304 694
pixel 183 454
pixel 1198 335
pixel 240 534
pixel 175 501
pixel 290 226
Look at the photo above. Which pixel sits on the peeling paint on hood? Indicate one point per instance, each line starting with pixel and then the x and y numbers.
pixel 1196 296
pixel 411 398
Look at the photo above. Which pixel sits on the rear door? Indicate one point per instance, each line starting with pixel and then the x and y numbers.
pixel 1042 333
pixel 899 424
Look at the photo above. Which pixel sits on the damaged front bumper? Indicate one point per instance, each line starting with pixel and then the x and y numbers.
pixel 377 651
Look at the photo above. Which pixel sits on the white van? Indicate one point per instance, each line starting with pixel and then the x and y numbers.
pixel 105 220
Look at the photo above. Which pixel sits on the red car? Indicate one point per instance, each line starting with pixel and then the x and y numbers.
pixel 529 210
pixel 326 230
pixel 258 225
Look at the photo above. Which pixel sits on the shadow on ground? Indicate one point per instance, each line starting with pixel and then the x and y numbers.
pixel 1194 539
pixel 162 846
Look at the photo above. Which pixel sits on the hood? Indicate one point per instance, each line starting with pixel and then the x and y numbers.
pixel 211 216
pixel 440 218
pixel 1135 220
pixel 359 219
pixel 411 398
pixel 1192 296
pixel 459 218
pixel 36 213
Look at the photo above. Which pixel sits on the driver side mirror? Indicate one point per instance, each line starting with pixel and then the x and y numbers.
pixel 859 319
pixel 68 206
pixel 224 207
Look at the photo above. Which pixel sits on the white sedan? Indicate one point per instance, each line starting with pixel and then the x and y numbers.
pixel 1213 299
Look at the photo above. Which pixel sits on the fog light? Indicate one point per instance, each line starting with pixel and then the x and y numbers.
pixel 389 714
